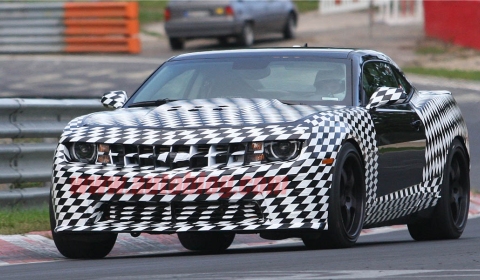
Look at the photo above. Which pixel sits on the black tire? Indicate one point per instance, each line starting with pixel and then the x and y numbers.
pixel 290 27
pixel 451 213
pixel 206 241
pixel 346 210
pixel 222 41
pixel 177 43
pixel 247 37
pixel 82 245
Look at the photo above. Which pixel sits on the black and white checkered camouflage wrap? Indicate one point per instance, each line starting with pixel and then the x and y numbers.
pixel 443 122
pixel 302 202
pixel 386 95
pixel 214 112
pixel 114 99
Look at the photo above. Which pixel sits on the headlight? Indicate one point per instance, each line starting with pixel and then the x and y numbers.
pixel 281 150
pixel 84 152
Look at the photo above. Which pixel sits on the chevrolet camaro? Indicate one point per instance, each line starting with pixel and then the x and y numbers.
pixel 312 143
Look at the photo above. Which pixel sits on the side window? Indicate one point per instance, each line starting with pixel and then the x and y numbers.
pixel 375 75
pixel 403 82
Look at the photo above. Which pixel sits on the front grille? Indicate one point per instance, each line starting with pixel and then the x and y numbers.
pixel 136 212
pixel 181 212
pixel 218 212
pixel 170 157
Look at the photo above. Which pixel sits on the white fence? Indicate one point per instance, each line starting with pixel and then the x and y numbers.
pixel 340 6
pixel 392 12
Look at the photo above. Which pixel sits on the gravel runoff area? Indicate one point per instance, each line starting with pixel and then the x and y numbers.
pixel 351 29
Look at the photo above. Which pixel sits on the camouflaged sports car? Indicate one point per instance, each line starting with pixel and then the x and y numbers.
pixel 315 143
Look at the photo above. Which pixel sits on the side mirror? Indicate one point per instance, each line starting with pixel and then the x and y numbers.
pixel 386 95
pixel 114 99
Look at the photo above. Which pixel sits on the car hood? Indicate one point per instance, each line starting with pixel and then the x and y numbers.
pixel 205 113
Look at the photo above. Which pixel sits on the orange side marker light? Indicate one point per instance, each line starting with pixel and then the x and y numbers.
pixel 328 161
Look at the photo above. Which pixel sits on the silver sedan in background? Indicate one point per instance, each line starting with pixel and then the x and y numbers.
pixel 223 19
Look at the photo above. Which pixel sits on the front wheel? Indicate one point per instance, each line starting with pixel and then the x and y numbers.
pixel 81 245
pixel 206 241
pixel 451 213
pixel 346 203
pixel 247 37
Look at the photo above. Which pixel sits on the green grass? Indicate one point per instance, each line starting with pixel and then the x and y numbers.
pixel 306 5
pixel 19 220
pixel 445 73
pixel 432 49
pixel 25 185
pixel 151 11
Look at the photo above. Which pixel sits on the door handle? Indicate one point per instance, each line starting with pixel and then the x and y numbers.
pixel 416 124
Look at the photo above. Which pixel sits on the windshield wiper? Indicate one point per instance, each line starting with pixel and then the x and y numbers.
pixel 291 102
pixel 149 103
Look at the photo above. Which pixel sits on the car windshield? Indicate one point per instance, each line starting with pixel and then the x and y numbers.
pixel 295 80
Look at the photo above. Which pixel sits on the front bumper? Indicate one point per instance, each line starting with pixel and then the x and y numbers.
pixel 276 196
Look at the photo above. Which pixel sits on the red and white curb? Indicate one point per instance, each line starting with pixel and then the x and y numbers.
pixel 38 247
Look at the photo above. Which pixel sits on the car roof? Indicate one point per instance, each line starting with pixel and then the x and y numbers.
pixel 341 53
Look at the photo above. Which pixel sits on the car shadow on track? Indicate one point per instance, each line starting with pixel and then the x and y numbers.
pixel 274 248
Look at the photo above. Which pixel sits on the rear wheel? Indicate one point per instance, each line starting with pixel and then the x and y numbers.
pixel 177 43
pixel 206 241
pixel 290 26
pixel 247 37
pixel 82 245
pixel 346 203
pixel 451 213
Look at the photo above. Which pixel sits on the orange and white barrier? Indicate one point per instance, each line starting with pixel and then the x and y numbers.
pixel 71 27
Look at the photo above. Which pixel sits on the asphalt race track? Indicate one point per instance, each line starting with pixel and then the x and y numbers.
pixel 392 255
pixel 72 76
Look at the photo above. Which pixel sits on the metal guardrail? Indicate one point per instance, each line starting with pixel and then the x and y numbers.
pixel 37 119
pixel 71 27
pixel 24 197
